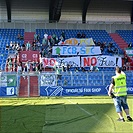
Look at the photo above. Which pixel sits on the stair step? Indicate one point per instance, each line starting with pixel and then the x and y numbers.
pixel 119 40
pixel 29 37
pixel 34 90
pixel 29 34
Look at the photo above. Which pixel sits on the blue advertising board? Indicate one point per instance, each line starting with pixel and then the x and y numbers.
pixel 76 90
pixel 8 85
pixel 8 91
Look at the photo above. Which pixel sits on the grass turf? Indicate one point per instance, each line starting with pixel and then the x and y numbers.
pixel 62 115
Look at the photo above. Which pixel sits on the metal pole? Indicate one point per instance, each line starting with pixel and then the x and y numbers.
pixel 0 78
pixel 103 78
pixel 110 28
pixel 45 24
pixel 39 77
pixel 3 24
pixel 17 83
pixel 24 24
pixel 56 24
pixel 30 26
pixel 87 78
pixel 28 77
pixel 14 24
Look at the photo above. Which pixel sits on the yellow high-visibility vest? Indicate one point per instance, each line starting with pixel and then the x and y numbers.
pixel 120 88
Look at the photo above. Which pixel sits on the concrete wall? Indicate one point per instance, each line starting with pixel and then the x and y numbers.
pixel 31 26
pixel 101 14
pixel 30 9
pixel 109 11
pixel 3 10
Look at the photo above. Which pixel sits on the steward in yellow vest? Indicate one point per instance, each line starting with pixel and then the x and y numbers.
pixel 120 88
pixel 118 91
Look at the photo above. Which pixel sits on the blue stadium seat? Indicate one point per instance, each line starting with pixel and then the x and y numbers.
pixel 126 35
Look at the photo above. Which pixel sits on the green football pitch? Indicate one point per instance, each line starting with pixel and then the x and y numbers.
pixel 86 114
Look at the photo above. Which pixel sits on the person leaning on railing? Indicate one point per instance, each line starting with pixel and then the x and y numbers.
pixel 58 69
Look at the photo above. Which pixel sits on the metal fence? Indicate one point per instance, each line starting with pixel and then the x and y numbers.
pixel 29 83
pixel 31 26
pixel 68 78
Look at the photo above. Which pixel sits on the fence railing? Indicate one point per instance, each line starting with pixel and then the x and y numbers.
pixel 36 84
pixel 31 25
pixel 66 78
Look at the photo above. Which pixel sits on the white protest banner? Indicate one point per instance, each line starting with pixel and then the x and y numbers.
pixel 76 41
pixel 101 61
pixel 50 62
pixel 76 50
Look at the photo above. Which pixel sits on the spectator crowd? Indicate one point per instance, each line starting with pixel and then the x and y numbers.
pixel 44 46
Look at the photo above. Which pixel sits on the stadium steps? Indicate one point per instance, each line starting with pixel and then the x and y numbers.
pixel 33 85
pixel 23 88
pixel 34 89
pixel 28 36
pixel 119 40
pixel 122 44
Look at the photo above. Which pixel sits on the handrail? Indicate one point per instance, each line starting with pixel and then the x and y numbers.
pixel 32 25
pixel 70 21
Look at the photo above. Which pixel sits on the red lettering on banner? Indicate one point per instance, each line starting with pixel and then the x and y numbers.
pixel 90 61
pixel 45 62
pixel 49 62
pixel 93 61
pixel 52 62
pixel 86 61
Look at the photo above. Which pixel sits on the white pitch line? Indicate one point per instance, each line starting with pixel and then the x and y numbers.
pixel 79 107
pixel 88 113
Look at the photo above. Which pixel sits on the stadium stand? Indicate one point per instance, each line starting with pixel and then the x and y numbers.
pixel 90 79
pixel 97 35
pixel 101 32
pixel 11 35
pixel 6 37
pixel 119 40
pixel 127 35
pixel 70 80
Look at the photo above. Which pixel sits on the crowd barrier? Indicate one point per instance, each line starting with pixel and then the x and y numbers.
pixel 47 84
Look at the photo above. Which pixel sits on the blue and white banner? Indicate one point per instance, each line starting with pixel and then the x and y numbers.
pixel 72 91
pixel 8 85
pixel 76 90
pixel 76 50
pixel 76 41
pixel 8 91
pixel 48 79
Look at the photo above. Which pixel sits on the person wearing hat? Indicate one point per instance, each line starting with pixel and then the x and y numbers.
pixel 118 91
